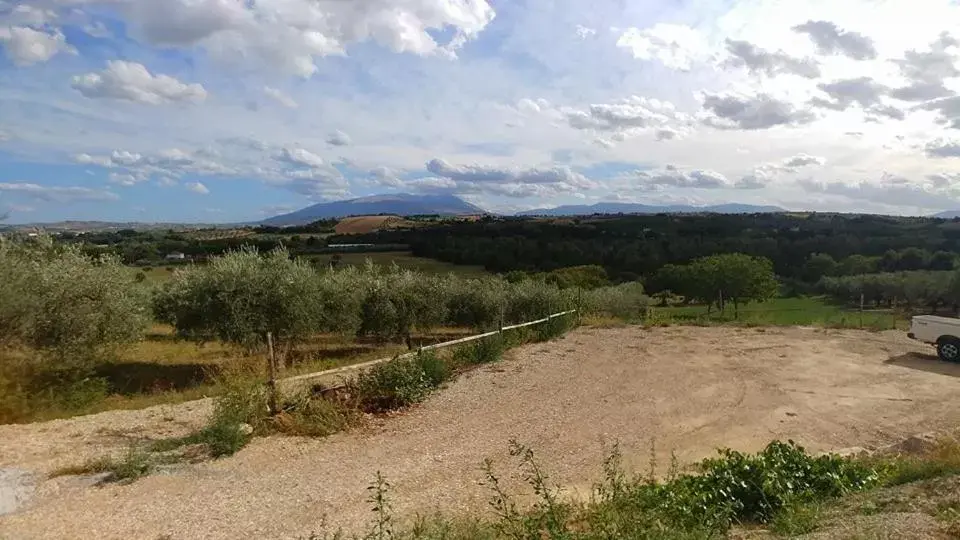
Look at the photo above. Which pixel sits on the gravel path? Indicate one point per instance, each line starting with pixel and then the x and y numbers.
pixel 688 389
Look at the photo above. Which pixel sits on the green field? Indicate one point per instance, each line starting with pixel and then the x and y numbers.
pixel 813 311
pixel 403 259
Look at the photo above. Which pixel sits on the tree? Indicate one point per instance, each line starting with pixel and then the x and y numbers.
pixel 942 260
pixel 72 308
pixel 913 259
pixel 818 266
pixel 736 278
pixel 241 296
pixel 857 264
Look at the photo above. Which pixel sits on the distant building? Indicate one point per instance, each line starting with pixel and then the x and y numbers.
pixel 175 256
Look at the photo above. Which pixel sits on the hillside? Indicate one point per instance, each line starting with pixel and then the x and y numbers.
pixel 632 208
pixel 396 204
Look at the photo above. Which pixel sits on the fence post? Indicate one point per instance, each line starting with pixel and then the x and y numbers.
pixel 579 305
pixel 861 310
pixel 272 383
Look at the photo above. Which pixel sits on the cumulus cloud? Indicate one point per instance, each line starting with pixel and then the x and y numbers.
pixel 947 108
pixel 633 112
pixel 934 65
pixel 125 179
pixel 803 160
pixel 759 61
pixel 197 187
pixel 131 81
pixel 339 138
pixel 671 176
pixel 289 35
pixel 890 189
pixel 280 97
pixel 59 194
pixel 943 148
pixel 300 158
pixel 25 46
pixel 846 92
pixel 751 112
pixel 832 40
pixel 511 181
pixel 675 46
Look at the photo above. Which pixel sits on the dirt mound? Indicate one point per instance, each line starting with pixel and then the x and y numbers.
pixel 688 390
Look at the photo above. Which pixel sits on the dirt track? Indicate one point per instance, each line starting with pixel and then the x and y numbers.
pixel 689 389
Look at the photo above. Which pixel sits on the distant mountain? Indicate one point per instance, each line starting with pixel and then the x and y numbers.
pixel 631 208
pixel 401 204
pixel 949 214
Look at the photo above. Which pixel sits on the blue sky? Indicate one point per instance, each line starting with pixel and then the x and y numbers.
pixel 225 110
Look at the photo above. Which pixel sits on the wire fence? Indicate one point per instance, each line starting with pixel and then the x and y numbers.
pixel 340 371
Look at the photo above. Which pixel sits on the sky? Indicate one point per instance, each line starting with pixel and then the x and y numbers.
pixel 237 110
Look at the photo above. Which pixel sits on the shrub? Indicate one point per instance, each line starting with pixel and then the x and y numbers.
pixel 626 301
pixel 398 383
pixel 481 351
pixel 531 300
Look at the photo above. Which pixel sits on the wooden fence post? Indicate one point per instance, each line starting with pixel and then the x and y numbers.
pixel 861 310
pixel 272 383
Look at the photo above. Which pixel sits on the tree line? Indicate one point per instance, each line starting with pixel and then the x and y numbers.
pixel 631 247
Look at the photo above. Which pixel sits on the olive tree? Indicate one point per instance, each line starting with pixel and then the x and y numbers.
pixel 71 307
pixel 241 296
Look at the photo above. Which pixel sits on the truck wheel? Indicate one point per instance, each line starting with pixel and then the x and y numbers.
pixel 948 349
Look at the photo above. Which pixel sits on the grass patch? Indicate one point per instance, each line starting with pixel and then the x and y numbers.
pixel 481 351
pixel 803 311
pixel 796 518
pixel 942 460
pixel 136 463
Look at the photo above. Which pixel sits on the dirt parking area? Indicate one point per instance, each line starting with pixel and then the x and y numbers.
pixel 687 390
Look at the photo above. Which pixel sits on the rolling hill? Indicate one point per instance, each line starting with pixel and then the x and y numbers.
pixel 395 204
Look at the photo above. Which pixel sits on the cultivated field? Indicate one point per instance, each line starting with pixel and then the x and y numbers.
pixel 686 389
pixel 368 224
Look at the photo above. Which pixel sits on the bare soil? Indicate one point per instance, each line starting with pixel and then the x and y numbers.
pixel 366 224
pixel 684 389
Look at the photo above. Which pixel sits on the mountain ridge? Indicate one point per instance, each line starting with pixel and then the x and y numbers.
pixel 402 204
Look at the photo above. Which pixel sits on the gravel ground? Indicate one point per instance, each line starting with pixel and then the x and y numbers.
pixel 687 389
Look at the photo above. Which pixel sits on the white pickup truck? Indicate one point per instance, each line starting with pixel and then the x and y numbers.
pixel 944 332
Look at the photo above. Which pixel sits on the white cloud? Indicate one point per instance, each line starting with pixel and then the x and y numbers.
pixel 830 39
pixel 511 181
pixel 25 46
pixel 133 82
pixel 280 97
pixel 893 190
pixel 300 158
pixel 584 32
pixel 943 148
pixel 671 176
pixel 289 35
pixel 756 60
pixel 197 187
pixel 125 179
pixel 339 138
pixel 675 46
pixel 58 193
pixel 751 112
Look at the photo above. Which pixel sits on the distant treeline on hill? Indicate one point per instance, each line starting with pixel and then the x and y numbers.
pixel 629 247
